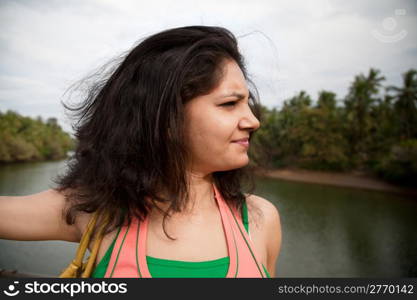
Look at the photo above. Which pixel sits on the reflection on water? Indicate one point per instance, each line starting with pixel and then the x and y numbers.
pixel 339 232
pixel 327 231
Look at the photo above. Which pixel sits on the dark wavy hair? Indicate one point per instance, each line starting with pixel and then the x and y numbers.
pixel 130 128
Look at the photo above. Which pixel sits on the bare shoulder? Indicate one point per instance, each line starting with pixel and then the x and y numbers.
pixel 265 219
pixel 262 212
pixel 81 219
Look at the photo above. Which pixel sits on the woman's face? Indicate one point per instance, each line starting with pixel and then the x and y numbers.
pixel 214 121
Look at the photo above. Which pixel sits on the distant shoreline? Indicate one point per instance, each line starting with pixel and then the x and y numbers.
pixel 351 180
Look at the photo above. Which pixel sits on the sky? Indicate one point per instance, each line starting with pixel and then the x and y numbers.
pixel 289 46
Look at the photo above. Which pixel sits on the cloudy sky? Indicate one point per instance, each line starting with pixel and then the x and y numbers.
pixel 289 46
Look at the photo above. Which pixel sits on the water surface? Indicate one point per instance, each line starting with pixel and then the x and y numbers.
pixel 327 231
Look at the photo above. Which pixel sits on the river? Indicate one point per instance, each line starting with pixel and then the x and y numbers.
pixel 327 231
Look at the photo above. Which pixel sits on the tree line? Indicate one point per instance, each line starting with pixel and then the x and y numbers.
pixel 373 129
pixel 26 139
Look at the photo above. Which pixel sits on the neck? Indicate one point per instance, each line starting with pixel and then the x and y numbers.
pixel 200 194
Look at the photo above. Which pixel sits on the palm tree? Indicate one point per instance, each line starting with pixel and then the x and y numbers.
pixel 405 105
pixel 299 101
pixel 358 104
pixel 326 100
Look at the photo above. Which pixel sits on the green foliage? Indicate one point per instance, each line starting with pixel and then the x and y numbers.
pixel 400 164
pixel 26 139
pixel 406 105
pixel 369 132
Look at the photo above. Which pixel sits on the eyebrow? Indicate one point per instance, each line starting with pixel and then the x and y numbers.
pixel 235 94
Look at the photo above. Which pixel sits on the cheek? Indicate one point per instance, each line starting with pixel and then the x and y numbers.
pixel 209 135
pixel 216 132
pixel 205 136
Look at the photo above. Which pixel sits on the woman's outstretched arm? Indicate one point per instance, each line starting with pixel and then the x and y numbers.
pixel 36 217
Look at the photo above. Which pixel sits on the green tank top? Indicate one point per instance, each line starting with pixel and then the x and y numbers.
pixel 165 268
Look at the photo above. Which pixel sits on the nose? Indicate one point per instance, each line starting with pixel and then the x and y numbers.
pixel 248 121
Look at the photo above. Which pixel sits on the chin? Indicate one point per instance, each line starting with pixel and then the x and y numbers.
pixel 238 164
pixel 243 161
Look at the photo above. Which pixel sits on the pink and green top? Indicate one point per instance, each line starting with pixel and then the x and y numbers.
pixel 128 254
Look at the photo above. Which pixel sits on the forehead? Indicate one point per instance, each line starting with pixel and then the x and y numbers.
pixel 233 80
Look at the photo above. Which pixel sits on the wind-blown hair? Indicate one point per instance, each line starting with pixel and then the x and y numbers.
pixel 130 129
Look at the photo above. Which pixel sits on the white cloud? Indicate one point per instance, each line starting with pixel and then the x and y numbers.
pixel 311 45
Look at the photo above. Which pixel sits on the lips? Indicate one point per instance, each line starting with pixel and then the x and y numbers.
pixel 244 142
pixel 241 140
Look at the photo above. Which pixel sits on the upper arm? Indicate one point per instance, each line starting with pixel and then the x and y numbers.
pixel 271 228
pixel 36 217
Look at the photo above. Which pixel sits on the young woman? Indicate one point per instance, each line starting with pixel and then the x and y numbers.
pixel 162 148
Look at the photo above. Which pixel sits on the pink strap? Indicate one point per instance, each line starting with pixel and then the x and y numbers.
pixel 143 233
pixel 128 258
pixel 230 236
pixel 248 260
pixel 120 261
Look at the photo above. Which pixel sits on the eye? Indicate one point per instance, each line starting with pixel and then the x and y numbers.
pixel 230 103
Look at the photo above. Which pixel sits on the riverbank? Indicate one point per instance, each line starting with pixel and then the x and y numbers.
pixel 352 180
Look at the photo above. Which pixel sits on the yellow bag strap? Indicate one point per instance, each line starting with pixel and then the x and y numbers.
pixel 85 240
pixel 94 250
